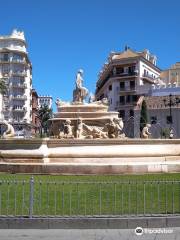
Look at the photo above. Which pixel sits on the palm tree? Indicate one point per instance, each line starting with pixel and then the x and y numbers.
pixel 44 114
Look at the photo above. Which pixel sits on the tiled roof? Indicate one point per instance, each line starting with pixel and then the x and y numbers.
pixel 126 54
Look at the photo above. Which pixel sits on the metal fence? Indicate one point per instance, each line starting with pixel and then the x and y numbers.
pixel 31 198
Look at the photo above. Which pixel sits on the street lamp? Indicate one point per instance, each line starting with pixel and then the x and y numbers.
pixel 170 103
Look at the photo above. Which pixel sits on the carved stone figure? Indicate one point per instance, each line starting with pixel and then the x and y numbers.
pixel 145 132
pixel 9 133
pixel 118 127
pixel 91 98
pixel 59 102
pixel 67 129
pixel 111 129
pixel 80 92
pixel 79 129
pixel 94 132
pixel 104 101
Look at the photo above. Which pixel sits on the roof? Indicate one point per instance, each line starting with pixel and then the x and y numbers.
pixel 126 54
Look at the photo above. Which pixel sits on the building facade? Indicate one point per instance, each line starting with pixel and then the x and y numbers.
pixel 16 71
pixel 45 101
pixel 171 76
pixel 162 116
pixel 126 77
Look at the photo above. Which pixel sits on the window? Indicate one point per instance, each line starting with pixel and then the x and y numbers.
pixel 153 120
pixel 110 87
pixel 131 113
pixel 119 70
pixel 6 57
pixel 132 85
pixel 122 85
pixel 169 120
pixel 134 98
pixel 122 99
pixel 128 98
pixel 122 114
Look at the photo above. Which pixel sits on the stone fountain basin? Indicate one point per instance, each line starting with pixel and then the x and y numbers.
pixel 87 156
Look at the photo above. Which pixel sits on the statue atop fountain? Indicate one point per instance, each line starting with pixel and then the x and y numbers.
pixel 80 92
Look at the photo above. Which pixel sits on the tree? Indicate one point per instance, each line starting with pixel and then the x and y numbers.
pixel 44 114
pixel 143 116
pixel 165 132
pixel 3 87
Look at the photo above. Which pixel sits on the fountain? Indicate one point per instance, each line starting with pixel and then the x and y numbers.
pixel 88 139
pixel 85 120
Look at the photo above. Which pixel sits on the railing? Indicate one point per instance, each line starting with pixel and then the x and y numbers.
pixel 124 74
pixel 20 97
pixel 18 85
pixel 31 198
pixel 128 89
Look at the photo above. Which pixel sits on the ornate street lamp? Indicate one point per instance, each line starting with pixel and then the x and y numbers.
pixel 170 102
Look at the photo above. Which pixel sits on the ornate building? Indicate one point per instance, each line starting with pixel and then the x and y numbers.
pixel 45 100
pixel 126 77
pixel 16 71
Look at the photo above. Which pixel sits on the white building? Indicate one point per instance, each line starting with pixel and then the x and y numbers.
pixel 16 70
pixel 126 77
pixel 45 101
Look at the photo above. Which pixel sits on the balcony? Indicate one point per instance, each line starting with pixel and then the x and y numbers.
pixel 126 89
pixel 18 121
pixel 125 74
pixel 148 77
pixel 19 74
pixel 4 60
pixel 19 97
pixel 18 85
pixel 19 109
pixel 21 61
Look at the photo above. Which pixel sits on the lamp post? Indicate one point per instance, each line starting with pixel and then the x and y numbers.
pixel 170 102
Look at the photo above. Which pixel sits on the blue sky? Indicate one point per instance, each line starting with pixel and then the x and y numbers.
pixel 65 35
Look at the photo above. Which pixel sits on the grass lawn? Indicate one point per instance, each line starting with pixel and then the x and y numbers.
pixel 90 195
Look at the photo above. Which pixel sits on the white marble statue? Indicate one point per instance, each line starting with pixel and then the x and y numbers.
pixel 114 128
pixel 60 103
pixel 9 132
pixel 79 129
pixel 145 132
pixel 91 98
pixel 80 93
pixel 118 127
pixel 67 129
pixel 94 132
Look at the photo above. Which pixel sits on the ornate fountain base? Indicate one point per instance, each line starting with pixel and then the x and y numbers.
pixel 86 156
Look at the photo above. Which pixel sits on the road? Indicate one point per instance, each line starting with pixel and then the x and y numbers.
pixel 88 234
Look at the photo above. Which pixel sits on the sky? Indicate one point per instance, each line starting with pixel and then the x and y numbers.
pixel 66 35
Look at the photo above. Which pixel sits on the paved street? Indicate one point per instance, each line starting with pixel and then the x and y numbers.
pixel 89 234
